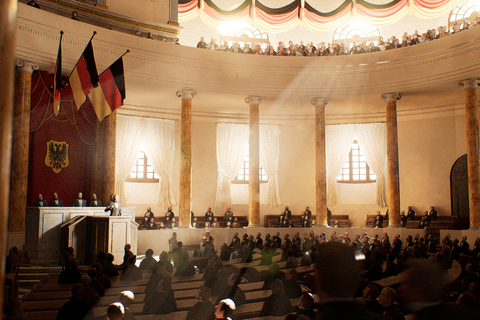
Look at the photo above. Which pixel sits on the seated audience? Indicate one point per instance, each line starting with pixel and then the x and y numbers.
pixel 131 272
pixel 149 261
pixel 147 217
pixel 55 202
pixel 40 202
pixel 387 299
pixel 159 298
pixel 76 308
pixel 277 304
pixel 79 202
pixel 204 309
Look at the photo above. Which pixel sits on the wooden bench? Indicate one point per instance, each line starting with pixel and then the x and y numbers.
pixel 242 220
pixel 271 221
pixel 370 221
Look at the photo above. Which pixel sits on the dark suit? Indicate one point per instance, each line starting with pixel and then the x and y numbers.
pixel 58 203
pixel 288 214
pixel 308 213
pixel 93 204
pixel 79 203
pixel 41 203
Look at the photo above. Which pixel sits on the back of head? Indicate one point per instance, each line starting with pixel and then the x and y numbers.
pixel 424 281
pixel 277 287
pixel 86 281
pixel 110 257
pixel 338 273
pixel 126 298
pixel 78 291
pixel 115 311
pixel 149 253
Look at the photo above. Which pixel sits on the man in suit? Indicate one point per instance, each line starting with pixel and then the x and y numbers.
pixel 288 213
pixel 308 213
pixel 95 202
pixel 40 202
pixel 55 202
pixel 209 215
pixel 115 207
pixel 79 202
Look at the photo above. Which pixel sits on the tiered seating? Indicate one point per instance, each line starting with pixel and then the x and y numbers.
pixel 271 221
pixel 48 296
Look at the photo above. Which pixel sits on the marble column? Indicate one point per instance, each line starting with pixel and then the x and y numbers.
pixel 320 162
pixel 254 162
pixel 104 162
pixel 185 200
pixel 393 184
pixel 471 127
pixel 20 145
pixel 8 28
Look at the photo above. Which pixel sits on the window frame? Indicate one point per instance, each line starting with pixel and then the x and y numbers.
pixel 245 170
pixel 145 171
pixel 351 167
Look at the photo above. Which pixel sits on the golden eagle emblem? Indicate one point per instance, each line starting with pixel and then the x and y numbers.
pixel 57 155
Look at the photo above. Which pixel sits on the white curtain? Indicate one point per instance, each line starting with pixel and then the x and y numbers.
pixel 269 154
pixel 129 133
pixel 373 142
pixel 338 141
pixel 159 143
pixel 232 142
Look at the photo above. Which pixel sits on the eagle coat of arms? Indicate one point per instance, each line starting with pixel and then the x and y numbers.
pixel 57 155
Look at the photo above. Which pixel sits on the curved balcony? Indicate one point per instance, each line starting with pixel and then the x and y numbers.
pixel 426 74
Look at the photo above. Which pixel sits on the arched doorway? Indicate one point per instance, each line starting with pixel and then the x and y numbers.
pixel 459 192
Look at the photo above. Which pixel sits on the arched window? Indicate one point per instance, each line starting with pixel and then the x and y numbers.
pixel 464 12
pixel 142 171
pixel 356 169
pixel 355 31
pixel 243 33
pixel 243 174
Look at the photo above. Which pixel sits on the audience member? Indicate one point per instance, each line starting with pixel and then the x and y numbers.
pixel 79 202
pixel 40 202
pixel 147 217
pixel 149 261
pixel 204 309
pixel 277 304
pixel 95 202
pixel 55 202
pixel 76 308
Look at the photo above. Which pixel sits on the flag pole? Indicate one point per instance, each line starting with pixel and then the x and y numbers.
pixel 94 33
pixel 128 50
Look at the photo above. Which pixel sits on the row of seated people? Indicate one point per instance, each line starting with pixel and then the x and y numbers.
pixel 340 48
pixel 428 216
pixel 209 220
pixel 78 202
pixel 222 281
pixel 305 219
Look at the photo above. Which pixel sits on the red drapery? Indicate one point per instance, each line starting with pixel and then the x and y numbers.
pixel 77 128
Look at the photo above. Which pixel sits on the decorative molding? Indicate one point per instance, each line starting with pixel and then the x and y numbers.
pixel 110 17
pixel 469 83
pixel 253 100
pixel 186 94
pixel 26 66
pixel 391 97
pixel 319 101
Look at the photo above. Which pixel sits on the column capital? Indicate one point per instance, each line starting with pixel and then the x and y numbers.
pixel 469 83
pixel 26 66
pixel 391 97
pixel 253 99
pixel 319 101
pixel 186 93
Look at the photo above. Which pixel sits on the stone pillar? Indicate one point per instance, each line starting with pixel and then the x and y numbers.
pixel 185 200
pixel 103 183
pixel 471 127
pixel 20 145
pixel 8 28
pixel 254 162
pixel 320 162
pixel 393 184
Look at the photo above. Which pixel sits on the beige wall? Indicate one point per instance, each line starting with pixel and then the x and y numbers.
pixel 429 144
pixel 145 10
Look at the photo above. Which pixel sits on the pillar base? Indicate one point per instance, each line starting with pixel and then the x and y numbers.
pixel 394 226
pixel 184 227
pixel 253 226
pixel 321 226
pixel 473 228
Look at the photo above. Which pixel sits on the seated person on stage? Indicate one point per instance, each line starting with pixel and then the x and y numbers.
pixel 308 213
pixel 79 202
pixel 288 213
pixel 215 223
pixel 195 223
pixel 281 218
pixel 147 217
pixel 433 214
pixel 228 216
pixel 152 225
pixel 40 202
pixel 55 202
pixel 378 223
pixel 209 215
pixel 169 215
pixel 410 213
pixel 95 202
pixel 207 225
pixel 236 224
pixel 305 220
pixel 403 219
pixel 115 207
pixel 173 223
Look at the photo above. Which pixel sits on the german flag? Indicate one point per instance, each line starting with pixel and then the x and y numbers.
pixel 57 78
pixel 84 76
pixel 109 95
